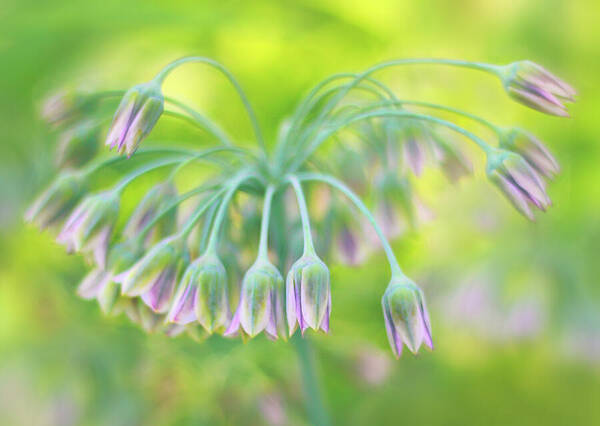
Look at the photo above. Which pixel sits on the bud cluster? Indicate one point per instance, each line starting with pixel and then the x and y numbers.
pixel 173 269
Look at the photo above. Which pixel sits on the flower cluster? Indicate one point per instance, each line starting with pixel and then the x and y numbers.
pixel 177 265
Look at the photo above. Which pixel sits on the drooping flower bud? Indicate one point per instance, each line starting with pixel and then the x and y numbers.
pixel 203 295
pixel 64 105
pixel 153 203
pixel 56 201
pixel 100 283
pixel 308 294
pixel 136 115
pixel 154 276
pixel 406 317
pixel 532 149
pixel 262 303
pixel 453 162
pixel 90 225
pixel 519 182
pixel 535 87
pixel 78 144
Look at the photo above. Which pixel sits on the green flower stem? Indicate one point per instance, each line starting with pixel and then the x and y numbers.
pixel 199 120
pixel 309 247
pixel 220 216
pixel 183 197
pixel 160 77
pixel 488 149
pixel 202 156
pixel 394 266
pixel 199 212
pixel 143 170
pixel 264 226
pixel 310 384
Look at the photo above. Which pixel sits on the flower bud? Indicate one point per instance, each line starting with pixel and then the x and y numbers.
pixel 135 117
pixel 153 203
pixel 519 182
pixel 308 294
pixel 532 149
pixel 64 105
pixel 535 87
pixel 56 201
pixel 90 225
pixel 202 295
pixel 154 276
pixel 78 145
pixel 406 317
pixel 262 303
pixel 453 162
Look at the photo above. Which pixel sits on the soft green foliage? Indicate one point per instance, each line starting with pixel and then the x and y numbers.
pixel 63 362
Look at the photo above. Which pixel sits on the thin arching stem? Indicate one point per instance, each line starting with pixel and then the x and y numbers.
pixel 394 266
pixel 143 170
pixel 264 226
pixel 170 67
pixel 309 247
pixel 198 119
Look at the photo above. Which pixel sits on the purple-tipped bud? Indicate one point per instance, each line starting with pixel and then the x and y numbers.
pixel 521 184
pixel 406 317
pixel 532 149
pixel 57 201
pixel 138 112
pixel 154 276
pixel 90 225
pixel 153 203
pixel 453 162
pixel 413 154
pixel 308 293
pixel 535 87
pixel 202 295
pixel 78 145
pixel 262 303
pixel 63 105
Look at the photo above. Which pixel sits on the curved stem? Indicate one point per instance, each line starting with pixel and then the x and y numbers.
pixel 198 119
pixel 143 170
pixel 230 190
pixel 309 247
pixel 488 149
pixel 202 155
pixel 199 212
pixel 160 77
pixel 394 266
pixel 264 226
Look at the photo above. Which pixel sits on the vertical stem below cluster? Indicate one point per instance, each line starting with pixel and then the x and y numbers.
pixel 310 384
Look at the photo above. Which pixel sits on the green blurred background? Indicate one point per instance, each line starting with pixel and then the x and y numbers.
pixel 529 355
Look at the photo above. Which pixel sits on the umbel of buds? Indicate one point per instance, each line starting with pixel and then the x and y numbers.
pixel 143 268
pixel 136 116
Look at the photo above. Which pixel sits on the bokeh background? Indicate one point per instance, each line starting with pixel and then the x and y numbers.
pixel 515 305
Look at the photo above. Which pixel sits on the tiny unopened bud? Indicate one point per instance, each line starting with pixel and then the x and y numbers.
pixel 154 276
pixel 535 87
pixel 519 182
pixel 138 112
pixel 532 149
pixel 90 225
pixel 64 105
pixel 406 317
pixel 262 303
pixel 56 201
pixel 308 294
pixel 78 144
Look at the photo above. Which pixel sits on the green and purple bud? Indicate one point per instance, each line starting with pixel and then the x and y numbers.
pixel 52 206
pixel 455 165
pixel 406 317
pixel 64 105
pixel 78 145
pixel 532 149
pixel 262 303
pixel 308 294
pixel 519 182
pixel 154 202
pixel 202 295
pixel 90 226
pixel 155 275
pixel 537 88
pixel 138 112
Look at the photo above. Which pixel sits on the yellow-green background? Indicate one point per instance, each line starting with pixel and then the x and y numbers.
pixel 62 362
